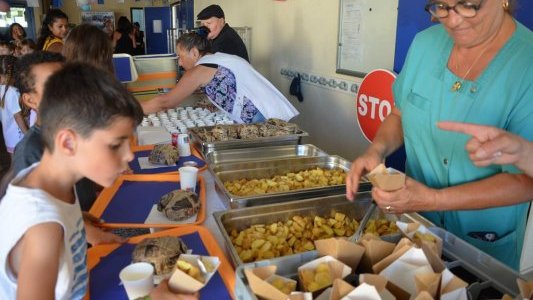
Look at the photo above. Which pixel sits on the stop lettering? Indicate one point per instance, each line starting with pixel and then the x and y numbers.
pixel 374 101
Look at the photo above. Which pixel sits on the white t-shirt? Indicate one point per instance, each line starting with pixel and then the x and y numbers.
pixel 11 130
pixel 22 208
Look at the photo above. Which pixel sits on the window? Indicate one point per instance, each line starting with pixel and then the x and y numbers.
pixel 15 15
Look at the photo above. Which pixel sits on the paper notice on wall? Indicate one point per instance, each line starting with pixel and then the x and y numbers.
pixel 158 27
pixel 351 46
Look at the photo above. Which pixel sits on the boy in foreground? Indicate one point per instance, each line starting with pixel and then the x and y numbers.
pixel 87 118
pixel 33 70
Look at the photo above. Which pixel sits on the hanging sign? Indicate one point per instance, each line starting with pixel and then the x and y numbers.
pixel 374 101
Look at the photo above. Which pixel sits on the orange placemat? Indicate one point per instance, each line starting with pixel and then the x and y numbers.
pixel 127 203
pixel 117 256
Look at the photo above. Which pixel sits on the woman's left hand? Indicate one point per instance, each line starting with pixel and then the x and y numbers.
pixel 413 197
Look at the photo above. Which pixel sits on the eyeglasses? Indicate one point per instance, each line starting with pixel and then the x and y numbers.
pixel 465 9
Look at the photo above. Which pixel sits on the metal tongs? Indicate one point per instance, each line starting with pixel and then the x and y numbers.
pixel 359 232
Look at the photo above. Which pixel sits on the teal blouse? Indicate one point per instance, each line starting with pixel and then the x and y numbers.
pixel 502 96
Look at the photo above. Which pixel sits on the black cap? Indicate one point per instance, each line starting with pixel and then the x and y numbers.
pixel 211 11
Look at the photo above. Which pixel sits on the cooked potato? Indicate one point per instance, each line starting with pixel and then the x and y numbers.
pixel 297 234
pixel 381 227
pixel 316 279
pixel 190 269
pixel 285 286
pixel 282 183
pixel 261 241
pixel 424 237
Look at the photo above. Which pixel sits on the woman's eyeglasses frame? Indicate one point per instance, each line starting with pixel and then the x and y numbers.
pixel 465 4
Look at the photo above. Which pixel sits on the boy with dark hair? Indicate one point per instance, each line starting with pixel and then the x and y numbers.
pixel 87 117
pixel 31 73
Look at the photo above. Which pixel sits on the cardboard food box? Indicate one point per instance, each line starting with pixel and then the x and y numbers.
pixel 429 282
pixel 425 239
pixel 452 287
pixel 400 269
pixel 262 281
pixel 341 249
pixel 339 289
pixel 363 291
pixel 424 296
pixel 387 179
pixel 526 288
pixel 375 250
pixel 320 273
pixel 188 281
pixel 380 283
pixel 409 272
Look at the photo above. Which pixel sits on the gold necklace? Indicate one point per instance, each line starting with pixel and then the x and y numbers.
pixel 458 84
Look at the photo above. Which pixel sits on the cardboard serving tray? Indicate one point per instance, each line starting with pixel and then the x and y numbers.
pixel 144 151
pixel 128 202
pixel 104 262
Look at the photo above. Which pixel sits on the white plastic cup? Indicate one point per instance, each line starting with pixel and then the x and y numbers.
pixel 137 279
pixel 188 177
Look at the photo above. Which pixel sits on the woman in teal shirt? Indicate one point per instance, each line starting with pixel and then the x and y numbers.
pixel 476 66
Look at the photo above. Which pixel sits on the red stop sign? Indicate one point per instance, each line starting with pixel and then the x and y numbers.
pixel 374 101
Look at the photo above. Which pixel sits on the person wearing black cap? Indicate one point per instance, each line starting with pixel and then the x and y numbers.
pixel 223 38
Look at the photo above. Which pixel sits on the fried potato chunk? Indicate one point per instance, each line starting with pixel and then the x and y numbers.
pixel 305 179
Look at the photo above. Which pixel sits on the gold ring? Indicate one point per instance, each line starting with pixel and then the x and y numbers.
pixel 388 208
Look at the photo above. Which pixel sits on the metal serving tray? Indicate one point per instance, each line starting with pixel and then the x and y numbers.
pixel 487 277
pixel 262 153
pixel 206 147
pixel 270 168
pixel 240 219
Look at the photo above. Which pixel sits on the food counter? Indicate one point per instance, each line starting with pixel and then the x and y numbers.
pixel 215 231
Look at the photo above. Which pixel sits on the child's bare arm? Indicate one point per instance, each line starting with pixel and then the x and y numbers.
pixel 39 250
pixel 97 236
pixel 20 122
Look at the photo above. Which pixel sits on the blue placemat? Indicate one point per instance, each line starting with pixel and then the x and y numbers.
pixel 104 280
pixel 134 164
pixel 134 199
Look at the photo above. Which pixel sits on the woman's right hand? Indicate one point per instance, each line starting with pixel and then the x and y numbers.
pixel 360 166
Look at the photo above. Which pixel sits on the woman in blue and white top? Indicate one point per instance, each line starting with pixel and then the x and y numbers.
pixel 229 81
